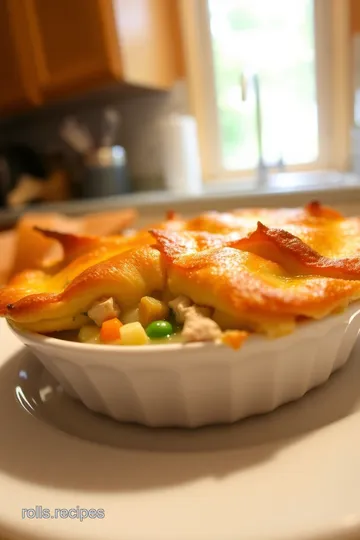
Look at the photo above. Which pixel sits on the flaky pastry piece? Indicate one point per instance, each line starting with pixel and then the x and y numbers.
pixel 248 291
pixel 45 304
pixel 49 300
pixel 244 220
pixel 92 247
pixel 99 267
pixel 295 256
pixel 322 228
pixel 34 250
pixel 75 245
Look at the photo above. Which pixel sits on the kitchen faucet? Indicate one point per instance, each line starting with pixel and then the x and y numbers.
pixel 262 168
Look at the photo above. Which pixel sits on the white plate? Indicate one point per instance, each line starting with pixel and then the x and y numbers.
pixel 293 474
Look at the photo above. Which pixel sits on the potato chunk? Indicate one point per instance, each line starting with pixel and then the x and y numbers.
pixel 151 309
pixel 133 334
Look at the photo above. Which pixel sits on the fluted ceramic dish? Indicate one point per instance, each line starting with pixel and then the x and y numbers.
pixel 199 384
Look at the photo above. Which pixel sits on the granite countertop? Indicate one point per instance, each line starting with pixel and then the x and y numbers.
pixel 287 189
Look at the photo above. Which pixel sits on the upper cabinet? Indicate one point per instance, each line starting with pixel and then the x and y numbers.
pixel 60 48
pixel 149 41
pixel 18 86
pixel 355 16
pixel 76 44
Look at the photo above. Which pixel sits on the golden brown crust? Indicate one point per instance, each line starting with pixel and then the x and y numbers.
pixel 295 256
pixel 34 250
pixel 316 209
pixel 74 246
pixel 127 277
pixel 250 290
pixel 255 276
pixel 244 220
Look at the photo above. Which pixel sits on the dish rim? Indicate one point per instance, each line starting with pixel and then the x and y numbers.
pixel 254 340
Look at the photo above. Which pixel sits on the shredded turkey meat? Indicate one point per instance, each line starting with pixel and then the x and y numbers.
pixel 103 310
pixel 180 305
pixel 198 325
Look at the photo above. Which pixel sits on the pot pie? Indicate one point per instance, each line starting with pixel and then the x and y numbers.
pixel 216 277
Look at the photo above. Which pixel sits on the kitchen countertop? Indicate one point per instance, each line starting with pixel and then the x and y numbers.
pixel 287 189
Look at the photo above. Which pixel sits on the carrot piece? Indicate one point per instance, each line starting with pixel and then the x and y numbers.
pixel 110 330
pixel 234 338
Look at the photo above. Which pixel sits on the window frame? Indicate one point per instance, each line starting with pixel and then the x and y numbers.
pixel 333 76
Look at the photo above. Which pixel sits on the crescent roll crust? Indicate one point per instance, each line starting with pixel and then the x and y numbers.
pixel 127 277
pixel 261 270
pixel 314 215
pixel 254 291
pixel 295 256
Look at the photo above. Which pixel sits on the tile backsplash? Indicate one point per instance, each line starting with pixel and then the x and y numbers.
pixel 138 133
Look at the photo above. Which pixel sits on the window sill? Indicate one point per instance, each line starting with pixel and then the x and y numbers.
pixel 286 189
pixel 286 183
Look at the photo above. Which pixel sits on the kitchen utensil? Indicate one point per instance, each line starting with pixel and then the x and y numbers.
pixel 76 135
pixel 111 125
pixel 105 173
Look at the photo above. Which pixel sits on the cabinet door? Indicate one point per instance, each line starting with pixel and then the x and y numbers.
pixel 76 45
pixel 355 16
pixel 18 79
pixel 150 41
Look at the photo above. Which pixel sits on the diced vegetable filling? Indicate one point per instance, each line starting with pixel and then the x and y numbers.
pixel 159 329
pixel 155 321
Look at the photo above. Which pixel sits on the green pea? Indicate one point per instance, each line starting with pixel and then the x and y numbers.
pixel 159 329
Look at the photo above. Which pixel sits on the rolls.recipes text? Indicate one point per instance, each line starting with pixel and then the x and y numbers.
pixel 40 512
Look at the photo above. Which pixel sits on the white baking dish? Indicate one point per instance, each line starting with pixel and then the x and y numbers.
pixel 198 384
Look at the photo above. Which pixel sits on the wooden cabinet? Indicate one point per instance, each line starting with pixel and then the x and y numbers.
pixel 355 16
pixel 76 45
pixel 18 85
pixel 60 48
pixel 149 43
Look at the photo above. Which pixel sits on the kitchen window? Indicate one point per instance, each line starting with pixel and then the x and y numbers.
pixel 269 83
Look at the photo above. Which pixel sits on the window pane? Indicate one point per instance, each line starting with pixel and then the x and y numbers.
pixel 275 39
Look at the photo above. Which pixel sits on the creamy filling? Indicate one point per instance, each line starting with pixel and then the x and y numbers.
pixel 152 321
